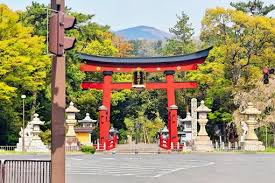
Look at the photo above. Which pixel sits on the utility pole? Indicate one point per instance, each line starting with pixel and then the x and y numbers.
pixel 58 43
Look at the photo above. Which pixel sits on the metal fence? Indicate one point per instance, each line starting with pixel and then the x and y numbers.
pixel 71 148
pixel 7 148
pixel 25 171
pixel 1 176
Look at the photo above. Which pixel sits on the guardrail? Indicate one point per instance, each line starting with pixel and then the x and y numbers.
pixel 25 171
pixel 7 148
pixel 1 176
pixel 72 148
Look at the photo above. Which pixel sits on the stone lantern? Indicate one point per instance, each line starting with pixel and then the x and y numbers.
pixel 202 141
pixel 112 132
pixel 36 144
pixel 71 139
pixel 185 125
pixel 251 142
pixel 87 122
pixel 165 133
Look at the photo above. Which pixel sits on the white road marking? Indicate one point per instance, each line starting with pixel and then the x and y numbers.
pixel 137 167
pixel 178 169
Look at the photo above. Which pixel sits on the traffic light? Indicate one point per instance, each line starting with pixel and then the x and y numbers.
pixel 58 43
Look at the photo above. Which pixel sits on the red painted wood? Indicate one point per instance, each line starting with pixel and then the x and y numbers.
pixel 99 67
pixel 173 130
pixel 91 85
pixel 103 128
pixel 107 101
pixel 149 86
pixel 170 90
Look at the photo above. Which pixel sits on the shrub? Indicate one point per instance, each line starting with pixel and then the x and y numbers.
pixel 88 149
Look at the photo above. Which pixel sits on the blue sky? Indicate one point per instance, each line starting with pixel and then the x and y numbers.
pixel 120 14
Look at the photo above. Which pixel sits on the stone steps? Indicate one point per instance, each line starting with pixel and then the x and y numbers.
pixel 139 149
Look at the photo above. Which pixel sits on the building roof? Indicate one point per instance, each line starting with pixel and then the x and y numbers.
pixel 145 60
pixel 83 129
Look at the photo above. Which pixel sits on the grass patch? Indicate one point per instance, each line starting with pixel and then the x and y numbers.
pixel 270 150
pixel 88 149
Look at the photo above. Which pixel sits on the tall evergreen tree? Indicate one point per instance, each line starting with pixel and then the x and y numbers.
pixel 181 42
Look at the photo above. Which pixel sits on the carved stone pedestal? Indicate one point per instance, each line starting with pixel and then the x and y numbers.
pixel 71 144
pixel 251 142
pixel 253 146
pixel 202 142
pixel 71 140
pixel 36 144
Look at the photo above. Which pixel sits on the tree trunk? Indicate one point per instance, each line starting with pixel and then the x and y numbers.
pixel 144 135
pixel 33 108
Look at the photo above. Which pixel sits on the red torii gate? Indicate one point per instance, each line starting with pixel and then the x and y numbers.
pixel 168 65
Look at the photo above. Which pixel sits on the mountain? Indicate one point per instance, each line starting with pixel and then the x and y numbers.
pixel 143 33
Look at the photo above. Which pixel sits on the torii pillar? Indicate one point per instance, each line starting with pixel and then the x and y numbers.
pixel 107 91
pixel 172 109
pixel 104 110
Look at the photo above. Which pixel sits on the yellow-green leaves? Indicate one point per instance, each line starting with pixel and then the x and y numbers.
pixel 241 42
pixel 23 64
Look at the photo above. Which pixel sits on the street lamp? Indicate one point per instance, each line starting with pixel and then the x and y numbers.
pixel 23 97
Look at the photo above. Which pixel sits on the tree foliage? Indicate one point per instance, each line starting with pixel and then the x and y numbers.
pixel 254 7
pixel 181 42
pixel 243 42
pixel 24 68
pixel 243 45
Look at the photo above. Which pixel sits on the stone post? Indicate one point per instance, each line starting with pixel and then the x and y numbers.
pixel 71 140
pixel 203 142
pixel 36 144
pixel 194 117
pixel 251 142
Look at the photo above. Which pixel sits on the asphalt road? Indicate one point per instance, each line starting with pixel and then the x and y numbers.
pixel 159 168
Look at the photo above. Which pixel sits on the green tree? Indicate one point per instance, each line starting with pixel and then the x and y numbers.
pixel 23 70
pixel 242 42
pixel 24 66
pixel 92 38
pixel 254 7
pixel 181 42
pixel 243 45
pixel 147 129
pixel 36 16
